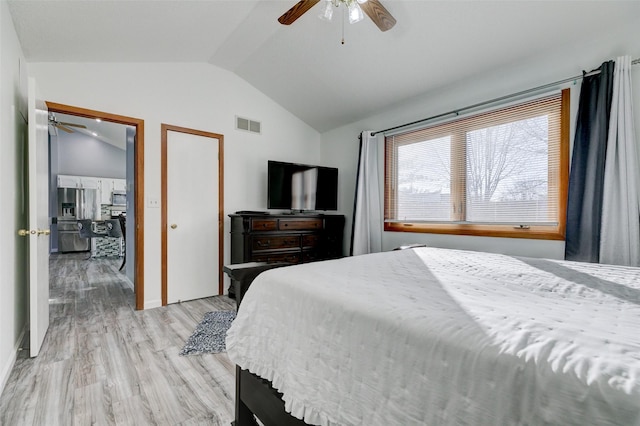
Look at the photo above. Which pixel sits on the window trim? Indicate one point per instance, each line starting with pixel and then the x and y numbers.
pixel 558 178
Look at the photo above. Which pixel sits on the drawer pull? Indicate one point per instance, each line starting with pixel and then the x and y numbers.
pixel 286 224
pixel 289 259
pixel 265 244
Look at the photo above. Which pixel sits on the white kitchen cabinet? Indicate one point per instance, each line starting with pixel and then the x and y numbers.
pixel 67 181
pixel 119 184
pixel 88 182
pixel 70 181
pixel 105 185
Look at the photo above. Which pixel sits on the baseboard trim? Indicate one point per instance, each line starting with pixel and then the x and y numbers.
pixel 6 370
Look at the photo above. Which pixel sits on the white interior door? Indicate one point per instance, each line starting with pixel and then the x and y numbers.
pixel 38 219
pixel 192 216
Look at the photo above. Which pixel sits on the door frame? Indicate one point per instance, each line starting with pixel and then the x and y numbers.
pixel 165 129
pixel 138 183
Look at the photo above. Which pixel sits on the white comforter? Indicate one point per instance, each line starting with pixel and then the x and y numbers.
pixel 446 337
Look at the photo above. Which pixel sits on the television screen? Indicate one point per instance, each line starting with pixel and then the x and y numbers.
pixel 301 186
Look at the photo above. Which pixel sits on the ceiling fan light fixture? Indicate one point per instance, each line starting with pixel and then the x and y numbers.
pixel 372 8
pixel 353 9
pixel 327 11
pixel 355 13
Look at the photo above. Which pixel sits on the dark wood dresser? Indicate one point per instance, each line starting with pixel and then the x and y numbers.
pixel 285 238
pixel 275 238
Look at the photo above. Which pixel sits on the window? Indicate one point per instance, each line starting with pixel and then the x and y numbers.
pixel 498 173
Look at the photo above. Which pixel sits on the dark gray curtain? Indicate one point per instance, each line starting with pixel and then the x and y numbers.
pixel 586 180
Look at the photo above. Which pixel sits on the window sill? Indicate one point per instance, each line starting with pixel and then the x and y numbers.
pixel 501 231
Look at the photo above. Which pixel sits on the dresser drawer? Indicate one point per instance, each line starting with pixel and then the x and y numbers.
pixel 293 257
pixel 264 224
pixel 271 242
pixel 299 224
pixel 310 256
pixel 286 238
pixel 310 240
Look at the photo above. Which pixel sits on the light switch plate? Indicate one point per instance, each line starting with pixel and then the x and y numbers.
pixel 153 202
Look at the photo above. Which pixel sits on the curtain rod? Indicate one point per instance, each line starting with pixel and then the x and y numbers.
pixel 501 98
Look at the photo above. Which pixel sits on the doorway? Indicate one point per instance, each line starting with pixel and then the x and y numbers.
pixel 192 213
pixel 138 182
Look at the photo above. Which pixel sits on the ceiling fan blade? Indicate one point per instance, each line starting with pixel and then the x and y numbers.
pixel 61 127
pixel 296 11
pixel 82 126
pixel 378 14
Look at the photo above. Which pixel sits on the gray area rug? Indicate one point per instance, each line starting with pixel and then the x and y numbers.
pixel 210 334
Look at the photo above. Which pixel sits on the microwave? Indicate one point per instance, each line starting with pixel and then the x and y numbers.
pixel 119 198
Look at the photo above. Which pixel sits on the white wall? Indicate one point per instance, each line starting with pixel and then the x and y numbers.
pixel 13 286
pixel 82 155
pixel 198 96
pixel 340 146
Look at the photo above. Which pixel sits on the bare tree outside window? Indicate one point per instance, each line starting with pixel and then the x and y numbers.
pixel 507 172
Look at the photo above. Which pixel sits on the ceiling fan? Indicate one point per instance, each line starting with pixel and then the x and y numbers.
pixel 62 125
pixel 374 10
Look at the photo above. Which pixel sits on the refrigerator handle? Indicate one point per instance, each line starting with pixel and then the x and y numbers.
pixel 79 204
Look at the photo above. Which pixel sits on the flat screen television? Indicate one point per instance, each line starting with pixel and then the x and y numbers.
pixel 301 187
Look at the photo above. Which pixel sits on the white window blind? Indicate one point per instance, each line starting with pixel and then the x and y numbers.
pixel 498 167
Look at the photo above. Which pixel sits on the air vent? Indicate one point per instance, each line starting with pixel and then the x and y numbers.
pixel 254 126
pixel 248 125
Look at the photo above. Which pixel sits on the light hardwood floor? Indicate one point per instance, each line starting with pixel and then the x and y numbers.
pixel 104 363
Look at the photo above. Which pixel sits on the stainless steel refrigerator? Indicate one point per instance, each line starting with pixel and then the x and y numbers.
pixel 75 204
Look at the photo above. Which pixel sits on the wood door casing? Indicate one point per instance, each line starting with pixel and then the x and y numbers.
pixel 165 129
pixel 138 184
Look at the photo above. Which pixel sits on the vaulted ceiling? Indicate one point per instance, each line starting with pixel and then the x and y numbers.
pixel 304 67
pixel 112 133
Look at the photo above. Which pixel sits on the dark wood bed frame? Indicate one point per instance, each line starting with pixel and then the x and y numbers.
pixel 255 395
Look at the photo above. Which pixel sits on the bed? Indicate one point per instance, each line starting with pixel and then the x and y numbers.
pixel 430 336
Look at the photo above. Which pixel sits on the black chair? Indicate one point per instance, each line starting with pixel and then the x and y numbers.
pixel 86 231
pixel 123 225
pixel 115 229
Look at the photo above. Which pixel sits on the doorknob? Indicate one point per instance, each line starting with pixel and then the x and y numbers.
pixel 174 226
pixel 25 232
